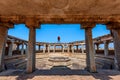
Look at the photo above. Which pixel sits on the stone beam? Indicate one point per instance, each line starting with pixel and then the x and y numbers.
pixel 106 48
pixel 8 25
pixel 47 18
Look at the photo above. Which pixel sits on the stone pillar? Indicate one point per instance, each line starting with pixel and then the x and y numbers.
pixel 76 48
pixel 116 38
pixel 62 48
pixel 39 47
pixel 31 50
pixel 26 49
pixel 3 39
pixel 68 49
pixel 97 45
pixel 115 32
pixel 82 48
pixel 90 50
pixel 72 49
pixel 10 48
pixel 22 49
pixel 54 49
pixel 48 48
pixel 89 47
pixel 44 48
pixel 106 48
pixel 18 46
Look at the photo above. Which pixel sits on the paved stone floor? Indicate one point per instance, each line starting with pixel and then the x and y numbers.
pixel 60 74
pixel 75 70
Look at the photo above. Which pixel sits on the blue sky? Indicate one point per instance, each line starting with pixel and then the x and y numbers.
pixel 50 32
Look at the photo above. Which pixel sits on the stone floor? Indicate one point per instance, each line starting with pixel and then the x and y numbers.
pixel 60 74
pixel 74 71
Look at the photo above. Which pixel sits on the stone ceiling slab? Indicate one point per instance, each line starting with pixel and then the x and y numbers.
pixel 59 7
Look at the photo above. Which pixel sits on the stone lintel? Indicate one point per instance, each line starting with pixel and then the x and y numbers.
pixel 66 18
pixel 7 25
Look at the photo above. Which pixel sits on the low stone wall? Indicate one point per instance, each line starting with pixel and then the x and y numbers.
pixel 104 62
pixel 19 62
pixel 110 52
pixel 15 62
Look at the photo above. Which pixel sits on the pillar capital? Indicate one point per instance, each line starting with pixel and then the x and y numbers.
pixel 87 25
pixel 97 43
pixel 31 22
pixel 113 25
pixel 106 42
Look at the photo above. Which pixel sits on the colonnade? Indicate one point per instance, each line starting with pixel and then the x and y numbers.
pixel 106 46
pixel 32 25
pixel 47 47
pixel 14 45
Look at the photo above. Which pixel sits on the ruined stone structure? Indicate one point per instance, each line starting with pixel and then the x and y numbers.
pixel 88 13
pixel 16 51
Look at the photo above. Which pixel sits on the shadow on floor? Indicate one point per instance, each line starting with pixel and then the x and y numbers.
pixel 63 71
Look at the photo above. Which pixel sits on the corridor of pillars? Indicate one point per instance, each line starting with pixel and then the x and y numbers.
pixel 90 53
pixel 62 47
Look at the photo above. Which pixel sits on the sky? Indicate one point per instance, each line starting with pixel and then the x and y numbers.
pixel 50 32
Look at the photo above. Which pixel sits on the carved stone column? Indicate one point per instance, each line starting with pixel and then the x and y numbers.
pixel 10 48
pixel 63 48
pixel 44 48
pixel 3 38
pixel 90 55
pixel 97 45
pixel 18 46
pixel 106 48
pixel 82 48
pixel 31 50
pixel 48 48
pixel 22 49
pixel 54 47
pixel 39 47
pixel 26 49
pixel 32 25
pixel 115 32
pixel 72 48
pixel 68 48
pixel 76 48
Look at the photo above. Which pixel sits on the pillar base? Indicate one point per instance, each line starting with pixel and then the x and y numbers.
pixel 29 72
